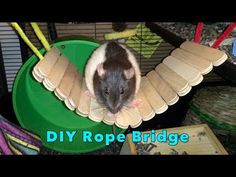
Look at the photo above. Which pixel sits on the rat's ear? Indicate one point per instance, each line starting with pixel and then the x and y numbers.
pixel 100 70
pixel 129 73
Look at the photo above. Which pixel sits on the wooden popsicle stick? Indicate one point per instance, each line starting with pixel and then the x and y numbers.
pixel 155 100
pixel 197 81
pixel 122 120
pixel 72 101
pixel 37 73
pixel 54 78
pixel 185 92
pixel 108 119
pixel 67 103
pixel 135 118
pixel 84 101
pixel 215 56
pixel 67 82
pixel 96 112
pixel 192 75
pixel 48 85
pixel 163 88
pixel 144 108
pixel 60 97
pixel 81 114
pixel 137 124
pixel 37 77
pixel 177 83
pixel 45 66
pixel 201 64
pixel 218 63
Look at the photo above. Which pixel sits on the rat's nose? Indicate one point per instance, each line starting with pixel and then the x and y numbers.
pixel 114 111
pixel 114 108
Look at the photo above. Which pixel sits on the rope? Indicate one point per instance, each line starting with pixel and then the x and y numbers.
pixel 40 35
pixel 198 33
pixel 228 30
pixel 219 40
pixel 27 41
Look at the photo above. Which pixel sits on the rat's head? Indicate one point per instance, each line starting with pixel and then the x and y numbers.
pixel 114 87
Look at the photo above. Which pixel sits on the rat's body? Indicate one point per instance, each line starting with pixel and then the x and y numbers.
pixel 113 76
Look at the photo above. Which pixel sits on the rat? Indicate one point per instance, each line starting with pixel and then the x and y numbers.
pixel 113 77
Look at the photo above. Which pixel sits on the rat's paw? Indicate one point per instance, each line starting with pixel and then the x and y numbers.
pixel 135 103
pixel 87 93
pixel 110 114
pixel 113 115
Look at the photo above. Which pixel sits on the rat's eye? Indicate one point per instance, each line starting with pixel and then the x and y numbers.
pixel 121 91
pixel 106 91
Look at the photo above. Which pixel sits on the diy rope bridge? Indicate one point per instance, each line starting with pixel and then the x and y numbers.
pixel 160 88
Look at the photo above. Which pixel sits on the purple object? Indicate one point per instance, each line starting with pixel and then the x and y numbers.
pixel 7 145
pixel 6 126
pixel 4 149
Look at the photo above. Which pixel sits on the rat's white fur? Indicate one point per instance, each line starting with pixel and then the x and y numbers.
pixel 98 57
